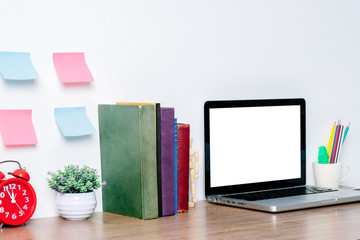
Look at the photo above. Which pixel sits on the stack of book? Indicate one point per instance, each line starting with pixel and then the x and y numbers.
pixel 144 159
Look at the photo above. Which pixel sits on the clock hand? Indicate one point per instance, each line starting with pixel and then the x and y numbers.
pixel 19 207
pixel 11 196
pixel 12 193
pixel 13 199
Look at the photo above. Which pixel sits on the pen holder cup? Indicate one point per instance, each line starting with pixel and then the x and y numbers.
pixel 329 175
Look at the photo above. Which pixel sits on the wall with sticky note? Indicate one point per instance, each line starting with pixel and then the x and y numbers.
pixel 178 53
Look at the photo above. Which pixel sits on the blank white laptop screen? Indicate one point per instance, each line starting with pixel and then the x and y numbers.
pixel 254 144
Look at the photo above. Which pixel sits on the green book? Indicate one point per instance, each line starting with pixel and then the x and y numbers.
pixel 128 159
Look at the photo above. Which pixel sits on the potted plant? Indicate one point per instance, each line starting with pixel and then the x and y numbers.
pixel 75 187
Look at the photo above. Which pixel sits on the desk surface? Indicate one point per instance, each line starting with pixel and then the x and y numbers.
pixel 205 221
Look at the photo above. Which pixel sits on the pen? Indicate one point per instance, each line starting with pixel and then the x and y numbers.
pixel 339 144
pixel 329 150
pixel 343 140
pixel 346 131
pixel 337 130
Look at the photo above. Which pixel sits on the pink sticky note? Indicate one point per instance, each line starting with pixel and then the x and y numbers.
pixel 17 128
pixel 72 67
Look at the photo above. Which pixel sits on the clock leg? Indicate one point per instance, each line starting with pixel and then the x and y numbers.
pixel 1 225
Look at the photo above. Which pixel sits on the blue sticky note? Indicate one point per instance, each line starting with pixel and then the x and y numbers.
pixel 17 66
pixel 73 121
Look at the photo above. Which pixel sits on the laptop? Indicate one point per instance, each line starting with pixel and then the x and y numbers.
pixel 255 157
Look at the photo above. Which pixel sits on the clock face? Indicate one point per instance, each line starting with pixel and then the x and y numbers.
pixel 17 201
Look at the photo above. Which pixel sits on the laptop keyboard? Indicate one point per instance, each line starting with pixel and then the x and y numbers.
pixel 288 192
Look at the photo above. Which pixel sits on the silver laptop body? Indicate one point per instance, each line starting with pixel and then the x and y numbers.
pixel 254 147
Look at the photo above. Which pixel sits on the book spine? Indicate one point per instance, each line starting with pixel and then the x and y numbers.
pixel 167 161
pixel 175 161
pixel 158 157
pixel 183 150
pixel 147 122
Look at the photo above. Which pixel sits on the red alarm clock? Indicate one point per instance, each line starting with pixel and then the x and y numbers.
pixel 17 197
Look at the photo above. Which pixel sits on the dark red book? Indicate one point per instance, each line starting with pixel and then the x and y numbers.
pixel 183 151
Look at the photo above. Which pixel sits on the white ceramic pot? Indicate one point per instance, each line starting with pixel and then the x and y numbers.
pixel 76 206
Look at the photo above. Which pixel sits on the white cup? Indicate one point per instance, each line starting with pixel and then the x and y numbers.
pixel 329 175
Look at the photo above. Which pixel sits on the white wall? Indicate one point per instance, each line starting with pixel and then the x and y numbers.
pixel 181 53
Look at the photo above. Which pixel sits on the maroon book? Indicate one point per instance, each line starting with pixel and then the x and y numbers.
pixel 183 151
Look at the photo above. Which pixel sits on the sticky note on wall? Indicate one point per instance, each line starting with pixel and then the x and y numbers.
pixel 17 66
pixel 72 67
pixel 73 121
pixel 17 128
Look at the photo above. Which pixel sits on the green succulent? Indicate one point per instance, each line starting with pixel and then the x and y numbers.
pixel 74 179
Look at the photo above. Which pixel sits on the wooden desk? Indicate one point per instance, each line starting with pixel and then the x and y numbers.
pixel 206 221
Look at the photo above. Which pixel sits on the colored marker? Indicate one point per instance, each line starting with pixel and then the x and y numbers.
pixel 323 156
